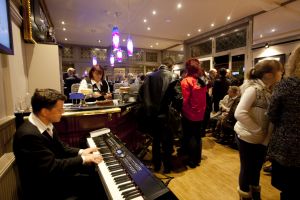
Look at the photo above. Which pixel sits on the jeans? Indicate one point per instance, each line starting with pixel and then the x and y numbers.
pixel 252 157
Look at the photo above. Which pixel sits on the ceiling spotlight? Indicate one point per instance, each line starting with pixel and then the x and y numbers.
pixel 260 35
pixel 151 46
pixel 148 28
pixel 188 34
pixel 199 30
pixel 66 39
pixel 273 30
pixel 124 40
pixel 179 5
pixel 212 25
pixel 156 44
pixel 145 20
pixel 154 12
pixel 267 45
pixel 64 29
pixel 99 41
pixel 228 18
pixel 62 22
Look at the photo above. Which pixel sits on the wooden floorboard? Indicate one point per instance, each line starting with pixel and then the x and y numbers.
pixel 216 178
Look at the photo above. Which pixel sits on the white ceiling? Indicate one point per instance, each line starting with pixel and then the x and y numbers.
pixel 87 21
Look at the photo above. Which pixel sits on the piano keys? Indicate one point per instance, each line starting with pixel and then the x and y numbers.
pixel 123 175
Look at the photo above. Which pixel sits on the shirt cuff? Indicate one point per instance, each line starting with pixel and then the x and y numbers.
pixel 83 159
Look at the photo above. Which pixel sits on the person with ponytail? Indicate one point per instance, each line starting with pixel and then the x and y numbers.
pixel 253 127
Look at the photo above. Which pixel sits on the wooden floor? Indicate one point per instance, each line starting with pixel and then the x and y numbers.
pixel 216 178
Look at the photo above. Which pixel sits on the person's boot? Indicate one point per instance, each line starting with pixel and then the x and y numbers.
pixel 255 192
pixel 244 195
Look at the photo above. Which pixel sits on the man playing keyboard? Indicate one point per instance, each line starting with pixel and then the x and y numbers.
pixel 48 168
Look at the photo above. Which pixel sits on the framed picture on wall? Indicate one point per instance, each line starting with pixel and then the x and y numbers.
pixel 6 41
pixel 279 57
pixel 37 25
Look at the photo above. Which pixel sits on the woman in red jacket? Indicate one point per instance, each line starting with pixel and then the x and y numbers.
pixel 193 109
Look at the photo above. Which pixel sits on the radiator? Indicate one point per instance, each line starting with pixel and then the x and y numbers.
pixel 9 179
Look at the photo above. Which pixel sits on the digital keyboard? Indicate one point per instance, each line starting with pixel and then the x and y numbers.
pixel 123 175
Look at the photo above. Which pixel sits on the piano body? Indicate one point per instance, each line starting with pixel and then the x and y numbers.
pixel 123 175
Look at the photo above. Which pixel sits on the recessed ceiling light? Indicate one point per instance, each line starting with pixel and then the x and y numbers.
pixel 154 12
pixel 145 20
pixel 168 20
pixel 151 46
pixel 156 43
pixel 124 40
pixel 199 30
pixel 148 28
pixel 212 24
pixel 62 22
pixel 64 29
pixel 273 30
pixel 181 49
pixel 260 35
pixel 229 17
pixel 99 41
pixel 188 34
pixel 66 39
pixel 179 5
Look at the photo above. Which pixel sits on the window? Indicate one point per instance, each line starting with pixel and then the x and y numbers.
pixel 151 57
pixel 231 41
pixel 202 49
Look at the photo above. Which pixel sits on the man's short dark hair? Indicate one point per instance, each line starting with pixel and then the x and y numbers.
pixel 45 98
pixel 169 62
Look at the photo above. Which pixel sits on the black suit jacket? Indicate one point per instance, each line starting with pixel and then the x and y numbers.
pixel 44 162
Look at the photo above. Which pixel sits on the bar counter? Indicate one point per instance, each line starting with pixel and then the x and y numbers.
pixel 78 121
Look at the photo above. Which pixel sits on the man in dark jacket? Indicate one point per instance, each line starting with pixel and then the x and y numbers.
pixel 152 93
pixel 49 169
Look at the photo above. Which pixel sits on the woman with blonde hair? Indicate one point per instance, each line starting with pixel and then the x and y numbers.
pixel 284 147
pixel 252 127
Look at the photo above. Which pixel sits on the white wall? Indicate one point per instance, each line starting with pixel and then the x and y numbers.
pixel 275 50
pixel 43 67
pixel 13 75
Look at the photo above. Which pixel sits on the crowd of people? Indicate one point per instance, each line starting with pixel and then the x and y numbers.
pixel 262 113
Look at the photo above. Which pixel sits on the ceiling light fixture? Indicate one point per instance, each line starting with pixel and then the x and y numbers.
pixel 124 40
pixel 151 46
pixel 273 30
pixel 212 25
pixel 260 35
pixel 64 29
pixel 66 39
pixel 112 59
pixel 156 43
pixel 199 30
pixel 119 55
pixel 179 5
pixel 94 60
pixel 62 22
pixel 267 45
pixel 188 34
pixel 228 18
pixel 129 40
pixel 148 28
pixel 154 12
pixel 115 37
pixel 145 20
